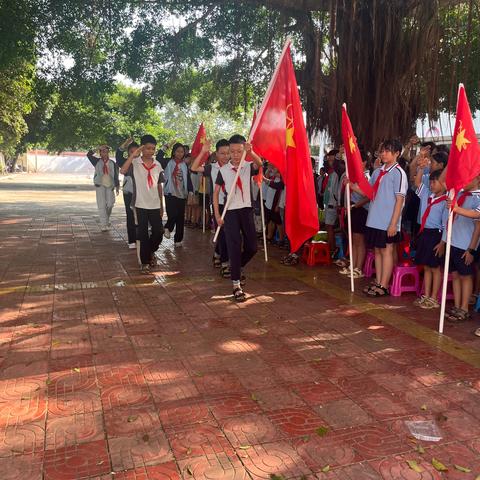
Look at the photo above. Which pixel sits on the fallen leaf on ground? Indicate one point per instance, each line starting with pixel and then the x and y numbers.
pixel 189 451
pixel 76 369
pixel 420 449
pixel 423 407
pixel 326 469
pixel 145 438
pixel 415 466
pixel 462 469
pixel 132 418
pixel 321 431
pixel 438 465
pixel 244 447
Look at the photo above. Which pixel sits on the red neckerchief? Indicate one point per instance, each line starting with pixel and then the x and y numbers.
pixel 430 204
pixel 105 166
pixel 377 181
pixel 325 179
pixel 461 200
pixel 149 176
pixel 239 180
pixel 175 171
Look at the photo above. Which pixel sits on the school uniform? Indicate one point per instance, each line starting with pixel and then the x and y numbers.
pixel 146 203
pixel 389 183
pixel 105 180
pixel 462 232
pixel 359 215
pixel 432 214
pixel 176 189
pixel 273 192
pixel 127 189
pixel 330 198
pixel 210 172
pixel 239 222
pixel 193 200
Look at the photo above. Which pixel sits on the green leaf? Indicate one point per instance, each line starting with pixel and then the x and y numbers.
pixel 321 431
pixel 415 466
pixel 439 465
pixel 463 469
pixel 326 469
pixel 254 397
pixel 306 438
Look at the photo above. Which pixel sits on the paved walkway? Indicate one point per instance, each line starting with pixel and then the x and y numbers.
pixel 108 374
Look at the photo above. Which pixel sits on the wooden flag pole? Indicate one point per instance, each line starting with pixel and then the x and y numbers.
pixel 204 200
pixel 447 264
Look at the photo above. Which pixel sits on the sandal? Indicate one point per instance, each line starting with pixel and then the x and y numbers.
pixel 225 272
pixel 239 295
pixel 459 316
pixel 378 291
pixel 216 262
pixel 370 286
pixel 291 259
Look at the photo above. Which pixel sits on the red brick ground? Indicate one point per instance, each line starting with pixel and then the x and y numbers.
pixel 108 374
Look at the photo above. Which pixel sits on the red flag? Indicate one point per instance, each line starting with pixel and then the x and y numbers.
pixel 279 135
pixel 354 159
pixel 464 159
pixel 199 141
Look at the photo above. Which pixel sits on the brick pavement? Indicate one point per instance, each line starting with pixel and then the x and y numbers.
pixel 109 374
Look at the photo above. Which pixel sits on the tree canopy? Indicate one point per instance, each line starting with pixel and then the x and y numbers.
pixel 392 61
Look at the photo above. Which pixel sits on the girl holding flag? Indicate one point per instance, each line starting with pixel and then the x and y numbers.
pixel 177 187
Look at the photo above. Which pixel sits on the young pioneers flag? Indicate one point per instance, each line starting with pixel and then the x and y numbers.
pixel 464 159
pixel 354 159
pixel 279 135
pixel 200 139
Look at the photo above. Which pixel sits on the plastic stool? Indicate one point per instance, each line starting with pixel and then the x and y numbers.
pixel 421 290
pixel 339 245
pixel 316 253
pixel 400 273
pixel 369 264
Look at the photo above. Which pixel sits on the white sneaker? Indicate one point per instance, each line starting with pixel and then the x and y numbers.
pixel 178 244
pixel 345 271
pixel 166 233
pixel 131 246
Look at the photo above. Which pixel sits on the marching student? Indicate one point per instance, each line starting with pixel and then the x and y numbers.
pixel 430 248
pixel 385 215
pixel 130 146
pixel 239 224
pixel 465 238
pixel 106 181
pixel 222 154
pixel 177 187
pixel 147 177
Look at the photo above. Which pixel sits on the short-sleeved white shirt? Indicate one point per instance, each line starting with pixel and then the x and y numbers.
pixel 145 197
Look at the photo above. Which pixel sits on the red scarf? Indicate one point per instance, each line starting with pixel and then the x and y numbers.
pixel 239 180
pixel 461 200
pixel 377 182
pixel 149 176
pixel 105 166
pixel 430 204
pixel 175 171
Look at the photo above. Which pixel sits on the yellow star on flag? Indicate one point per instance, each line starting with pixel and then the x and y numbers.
pixel 290 131
pixel 461 141
pixel 202 140
pixel 351 144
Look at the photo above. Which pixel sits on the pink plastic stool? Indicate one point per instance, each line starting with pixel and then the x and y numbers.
pixel 369 264
pixel 421 290
pixel 400 273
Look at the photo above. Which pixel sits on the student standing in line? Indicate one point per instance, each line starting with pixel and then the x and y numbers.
pixel 106 181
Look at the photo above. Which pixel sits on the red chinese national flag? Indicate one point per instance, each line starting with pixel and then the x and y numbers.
pixel 354 159
pixel 464 158
pixel 279 136
pixel 199 141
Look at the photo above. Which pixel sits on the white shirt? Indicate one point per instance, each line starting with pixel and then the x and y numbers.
pixel 144 196
pixel 241 198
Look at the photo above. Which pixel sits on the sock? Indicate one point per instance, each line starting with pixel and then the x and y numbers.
pixel 236 284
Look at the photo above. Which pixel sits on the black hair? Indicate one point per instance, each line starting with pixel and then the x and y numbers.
pixel 435 175
pixel 443 149
pixel 237 139
pixel 148 139
pixel 186 147
pixel 222 143
pixel 428 144
pixel 177 146
pixel 441 157
pixel 392 145
pixel 133 145
pixel 333 152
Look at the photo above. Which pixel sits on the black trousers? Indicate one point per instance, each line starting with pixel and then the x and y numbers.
pixel 175 216
pixel 149 243
pixel 239 224
pixel 221 245
pixel 127 199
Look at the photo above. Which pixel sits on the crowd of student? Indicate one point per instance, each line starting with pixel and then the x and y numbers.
pixel 409 207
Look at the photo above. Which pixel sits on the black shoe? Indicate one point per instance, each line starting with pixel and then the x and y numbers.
pixel 239 295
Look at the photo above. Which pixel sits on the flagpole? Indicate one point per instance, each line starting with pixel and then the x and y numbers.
pixel 204 206
pixel 447 264
pixel 262 212
pixel 252 132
